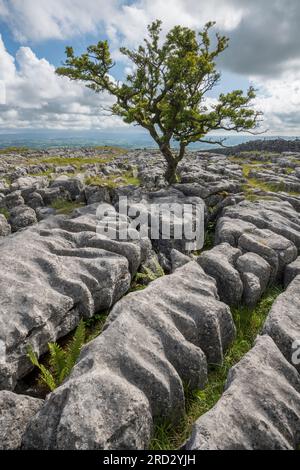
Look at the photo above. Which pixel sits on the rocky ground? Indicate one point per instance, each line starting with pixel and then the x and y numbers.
pixel 180 324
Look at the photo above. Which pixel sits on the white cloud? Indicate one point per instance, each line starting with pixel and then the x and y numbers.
pixel 36 97
pixel 54 19
pixel 279 99
pixel 132 20
pixel 60 19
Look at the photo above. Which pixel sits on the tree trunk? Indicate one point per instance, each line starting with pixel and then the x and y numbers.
pixel 171 174
pixel 172 163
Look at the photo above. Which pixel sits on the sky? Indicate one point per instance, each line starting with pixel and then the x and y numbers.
pixel 264 51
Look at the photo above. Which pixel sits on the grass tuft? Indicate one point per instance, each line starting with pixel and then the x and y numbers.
pixel 126 179
pixel 5 212
pixel 65 207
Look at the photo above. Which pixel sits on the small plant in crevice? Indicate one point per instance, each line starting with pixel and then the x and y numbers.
pixel 209 236
pixel 147 275
pixel 94 325
pixel 5 212
pixel 62 206
pixel 61 361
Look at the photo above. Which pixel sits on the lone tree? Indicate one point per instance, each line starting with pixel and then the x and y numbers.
pixel 166 92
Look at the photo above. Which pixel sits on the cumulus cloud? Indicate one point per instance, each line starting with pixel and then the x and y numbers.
pixel 264 47
pixel 264 34
pixel 36 97
pixel 54 19
pixel 279 99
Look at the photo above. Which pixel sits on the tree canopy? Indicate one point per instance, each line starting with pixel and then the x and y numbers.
pixel 166 93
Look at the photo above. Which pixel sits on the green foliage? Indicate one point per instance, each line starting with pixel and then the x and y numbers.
pixel 249 323
pixel 65 207
pixel 4 212
pixel 147 275
pixel 166 92
pixel 94 326
pixel 61 361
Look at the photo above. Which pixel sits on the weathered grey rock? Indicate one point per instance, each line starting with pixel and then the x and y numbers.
pixel 133 373
pixel 178 259
pixel 73 186
pixel 219 263
pixel 21 217
pixel 92 223
pixel 94 194
pixel 15 414
pixel 276 216
pixel 291 271
pixel 51 195
pixel 5 228
pixel 275 249
pixel 252 291
pixel 255 264
pixel 165 210
pixel 231 200
pixel 189 188
pixel 44 212
pixel 229 230
pixel 260 408
pixel 27 182
pixel 283 322
pixel 65 169
pixel 255 273
pixel 49 279
pixel 35 200
pixel 13 200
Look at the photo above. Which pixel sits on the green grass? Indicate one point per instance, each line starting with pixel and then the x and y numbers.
pixel 144 277
pixel 13 150
pixel 65 207
pixel 5 212
pixel 101 181
pixel 241 161
pixel 46 173
pixel 77 162
pixel 255 183
pixel 110 181
pixel 249 323
pixel 258 153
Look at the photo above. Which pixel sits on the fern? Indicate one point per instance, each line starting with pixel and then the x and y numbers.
pixel 74 347
pixel 57 362
pixel 61 360
pixel 45 375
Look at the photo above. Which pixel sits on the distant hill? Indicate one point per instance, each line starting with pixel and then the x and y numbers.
pixel 263 145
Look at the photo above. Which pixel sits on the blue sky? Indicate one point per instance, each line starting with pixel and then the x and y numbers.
pixel 34 34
